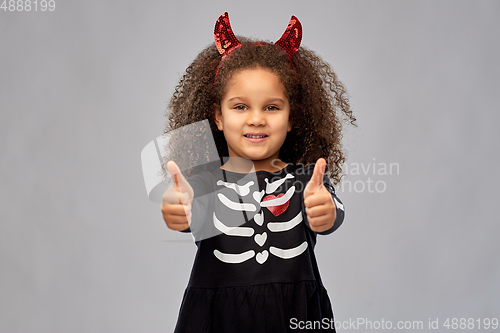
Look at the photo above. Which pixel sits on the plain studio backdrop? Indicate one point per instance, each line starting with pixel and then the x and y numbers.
pixel 84 88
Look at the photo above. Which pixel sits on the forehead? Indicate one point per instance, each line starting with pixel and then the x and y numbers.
pixel 254 82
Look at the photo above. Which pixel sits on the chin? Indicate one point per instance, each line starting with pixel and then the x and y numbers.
pixel 259 157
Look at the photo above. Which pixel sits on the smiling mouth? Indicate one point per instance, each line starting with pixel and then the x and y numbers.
pixel 255 136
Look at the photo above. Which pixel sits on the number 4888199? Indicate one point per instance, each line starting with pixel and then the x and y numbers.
pixel 28 5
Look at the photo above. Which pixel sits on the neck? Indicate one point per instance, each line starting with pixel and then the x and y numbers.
pixel 243 165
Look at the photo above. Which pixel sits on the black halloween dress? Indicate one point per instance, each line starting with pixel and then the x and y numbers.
pixel 255 268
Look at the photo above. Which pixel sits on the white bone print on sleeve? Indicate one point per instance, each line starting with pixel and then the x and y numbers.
pixel 338 204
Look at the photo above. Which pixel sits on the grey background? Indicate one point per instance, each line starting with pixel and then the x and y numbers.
pixel 83 89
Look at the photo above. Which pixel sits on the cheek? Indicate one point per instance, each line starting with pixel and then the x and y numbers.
pixel 231 129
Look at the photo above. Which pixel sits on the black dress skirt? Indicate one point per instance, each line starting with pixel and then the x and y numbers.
pixel 255 268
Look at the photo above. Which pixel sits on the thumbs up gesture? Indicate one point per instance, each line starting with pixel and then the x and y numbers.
pixel 320 208
pixel 177 200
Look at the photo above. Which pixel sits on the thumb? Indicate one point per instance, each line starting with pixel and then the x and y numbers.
pixel 181 183
pixel 316 180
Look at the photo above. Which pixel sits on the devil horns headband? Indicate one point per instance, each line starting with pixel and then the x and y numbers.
pixel 226 41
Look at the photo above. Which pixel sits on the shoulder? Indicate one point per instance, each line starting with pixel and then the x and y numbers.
pixel 202 183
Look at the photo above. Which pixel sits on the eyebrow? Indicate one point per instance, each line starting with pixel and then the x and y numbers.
pixel 233 98
pixel 276 100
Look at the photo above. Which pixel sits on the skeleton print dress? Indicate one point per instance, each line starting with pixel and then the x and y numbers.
pixel 255 268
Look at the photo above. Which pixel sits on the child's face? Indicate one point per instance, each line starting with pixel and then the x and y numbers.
pixel 254 115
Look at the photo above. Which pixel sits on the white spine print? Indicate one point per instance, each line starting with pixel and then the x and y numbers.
pixel 288 253
pixel 231 258
pixel 260 239
pixel 257 196
pixel 236 205
pixel 242 190
pixel 259 218
pixel 272 187
pixel 232 231
pixel 262 257
pixel 285 226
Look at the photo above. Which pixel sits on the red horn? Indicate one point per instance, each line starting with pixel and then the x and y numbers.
pixel 225 40
pixel 291 38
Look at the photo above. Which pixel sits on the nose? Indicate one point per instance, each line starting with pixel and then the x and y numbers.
pixel 256 118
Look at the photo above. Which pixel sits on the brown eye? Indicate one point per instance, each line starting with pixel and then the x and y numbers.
pixel 240 107
pixel 272 108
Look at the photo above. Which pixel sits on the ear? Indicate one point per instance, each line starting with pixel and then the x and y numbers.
pixel 290 124
pixel 218 117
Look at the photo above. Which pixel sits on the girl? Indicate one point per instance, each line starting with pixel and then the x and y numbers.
pixel 276 112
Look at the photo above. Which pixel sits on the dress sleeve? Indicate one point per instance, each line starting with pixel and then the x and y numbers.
pixel 340 207
pixel 201 201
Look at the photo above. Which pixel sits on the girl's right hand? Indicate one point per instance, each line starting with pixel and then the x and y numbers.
pixel 177 200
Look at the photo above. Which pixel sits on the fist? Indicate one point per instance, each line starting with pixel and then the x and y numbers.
pixel 320 208
pixel 177 200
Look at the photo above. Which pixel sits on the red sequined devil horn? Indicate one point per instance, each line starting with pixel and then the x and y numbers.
pixel 225 40
pixel 291 38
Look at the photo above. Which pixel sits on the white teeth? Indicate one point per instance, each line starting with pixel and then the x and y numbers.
pixel 255 136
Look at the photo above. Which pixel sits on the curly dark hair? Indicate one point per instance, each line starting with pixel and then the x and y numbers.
pixel 319 105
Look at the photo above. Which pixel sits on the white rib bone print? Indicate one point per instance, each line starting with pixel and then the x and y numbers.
pixel 260 239
pixel 240 189
pixel 272 187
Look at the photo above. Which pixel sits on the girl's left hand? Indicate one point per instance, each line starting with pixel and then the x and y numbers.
pixel 320 208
